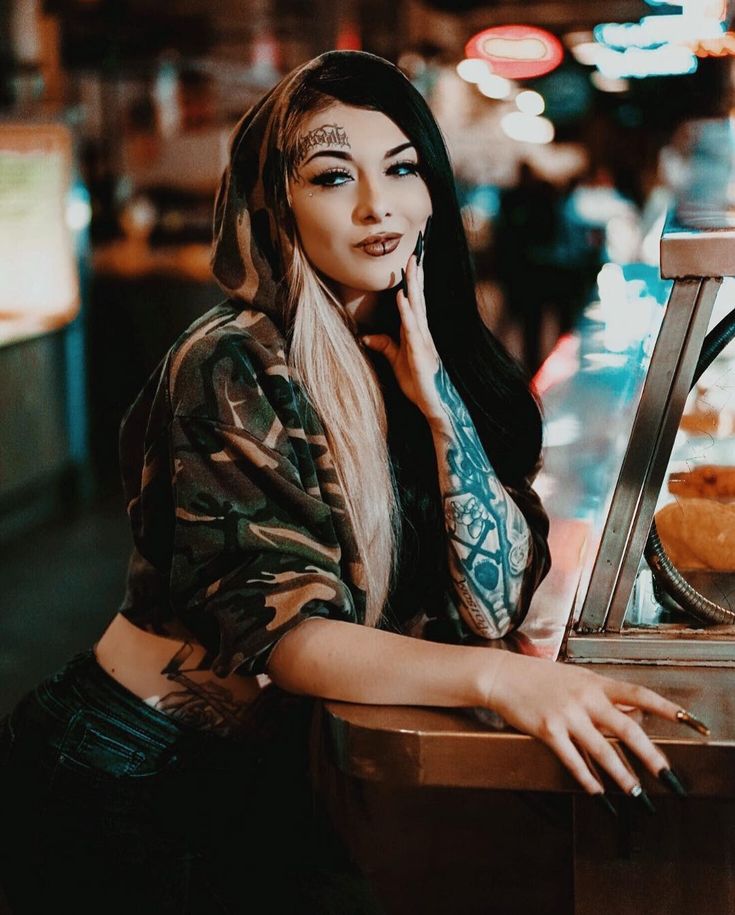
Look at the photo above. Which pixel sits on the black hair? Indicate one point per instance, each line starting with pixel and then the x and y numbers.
pixel 492 384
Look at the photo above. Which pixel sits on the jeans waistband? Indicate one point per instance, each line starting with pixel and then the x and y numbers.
pixel 83 683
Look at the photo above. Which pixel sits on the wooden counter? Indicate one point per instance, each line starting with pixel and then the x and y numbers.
pixel 438 747
pixel 449 816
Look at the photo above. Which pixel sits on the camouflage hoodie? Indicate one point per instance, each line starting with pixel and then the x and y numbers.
pixel 238 520
pixel 237 517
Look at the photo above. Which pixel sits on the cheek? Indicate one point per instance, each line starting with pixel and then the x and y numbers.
pixel 320 232
pixel 422 202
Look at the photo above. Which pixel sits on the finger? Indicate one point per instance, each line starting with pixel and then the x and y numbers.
pixel 623 693
pixel 414 278
pixel 635 738
pixel 420 285
pixel 591 741
pixel 414 288
pixel 382 343
pixel 631 710
pixel 634 715
pixel 408 318
pixel 572 759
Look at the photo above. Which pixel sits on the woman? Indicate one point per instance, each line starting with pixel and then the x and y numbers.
pixel 322 450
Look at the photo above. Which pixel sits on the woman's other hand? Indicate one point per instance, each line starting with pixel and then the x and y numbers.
pixel 571 709
pixel 414 359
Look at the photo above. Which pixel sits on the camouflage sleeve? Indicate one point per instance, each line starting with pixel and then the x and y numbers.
pixel 253 552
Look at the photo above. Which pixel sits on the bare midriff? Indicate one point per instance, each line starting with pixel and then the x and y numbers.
pixel 155 668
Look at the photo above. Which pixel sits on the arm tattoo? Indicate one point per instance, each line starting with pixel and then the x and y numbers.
pixel 326 135
pixel 489 540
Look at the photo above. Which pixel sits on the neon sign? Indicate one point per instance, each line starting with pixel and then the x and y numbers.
pixel 664 45
pixel 637 63
pixel 724 46
pixel 654 31
pixel 517 51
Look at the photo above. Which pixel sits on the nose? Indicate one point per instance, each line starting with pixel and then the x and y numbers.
pixel 373 203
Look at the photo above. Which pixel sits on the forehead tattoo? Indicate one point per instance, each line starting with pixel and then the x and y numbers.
pixel 326 135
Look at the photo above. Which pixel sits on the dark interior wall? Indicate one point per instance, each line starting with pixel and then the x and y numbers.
pixel 6 56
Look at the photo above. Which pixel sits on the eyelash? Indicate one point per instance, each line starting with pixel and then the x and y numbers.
pixel 322 178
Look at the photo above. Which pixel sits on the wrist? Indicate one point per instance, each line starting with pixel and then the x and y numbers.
pixel 439 424
pixel 494 673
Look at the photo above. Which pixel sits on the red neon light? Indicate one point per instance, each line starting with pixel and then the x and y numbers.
pixel 517 51
pixel 561 363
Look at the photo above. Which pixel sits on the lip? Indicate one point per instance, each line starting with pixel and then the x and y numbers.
pixel 379 245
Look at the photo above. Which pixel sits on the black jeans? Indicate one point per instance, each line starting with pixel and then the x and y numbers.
pixel 107 805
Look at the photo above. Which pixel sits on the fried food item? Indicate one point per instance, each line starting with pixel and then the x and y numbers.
pixel 698 534
pixel 709 412
pixel 701 422
pixel 710 481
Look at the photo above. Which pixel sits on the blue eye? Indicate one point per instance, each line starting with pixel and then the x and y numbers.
pixel 325 177
pixel 413 167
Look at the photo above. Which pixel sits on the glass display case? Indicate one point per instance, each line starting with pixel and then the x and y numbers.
pixel 678 459
pixel 589 389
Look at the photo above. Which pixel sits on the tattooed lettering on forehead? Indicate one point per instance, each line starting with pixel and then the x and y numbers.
pixel 326 135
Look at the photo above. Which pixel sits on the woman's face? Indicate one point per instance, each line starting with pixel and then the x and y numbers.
pixel 357 177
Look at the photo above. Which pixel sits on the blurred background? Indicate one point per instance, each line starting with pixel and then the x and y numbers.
pixel 570 124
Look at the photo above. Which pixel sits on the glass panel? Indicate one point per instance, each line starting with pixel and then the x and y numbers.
pixel 590 387
pixel 697 500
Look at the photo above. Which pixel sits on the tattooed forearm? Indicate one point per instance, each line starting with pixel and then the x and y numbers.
pixel 326 135
pixel 489 540
pixel 473 609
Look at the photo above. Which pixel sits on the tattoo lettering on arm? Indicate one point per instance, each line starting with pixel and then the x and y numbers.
pixel 489 540
pixel 325 135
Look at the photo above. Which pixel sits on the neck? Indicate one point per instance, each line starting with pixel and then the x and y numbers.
pixel 360 306
pixel 369 310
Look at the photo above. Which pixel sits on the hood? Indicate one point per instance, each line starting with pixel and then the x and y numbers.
pixel 253 241
pixel 250 243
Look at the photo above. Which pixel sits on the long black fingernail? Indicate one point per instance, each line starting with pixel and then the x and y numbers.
pixel 639 793
pixel 426 230
pixel 669 778
pixel 602 800
pixel 404 284
pixel 418 250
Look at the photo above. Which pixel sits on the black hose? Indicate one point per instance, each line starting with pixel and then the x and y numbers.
pixel 678 588
pixel 665 572
pixel 714 343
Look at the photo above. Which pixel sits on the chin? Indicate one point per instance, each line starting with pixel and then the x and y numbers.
pixel 373 284
pixel 385 279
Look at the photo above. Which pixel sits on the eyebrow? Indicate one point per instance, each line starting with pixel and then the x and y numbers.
pixel 339 154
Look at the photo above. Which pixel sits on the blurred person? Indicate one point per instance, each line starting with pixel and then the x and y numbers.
pixel 601 223
pixel 526 235
pixel 336 459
